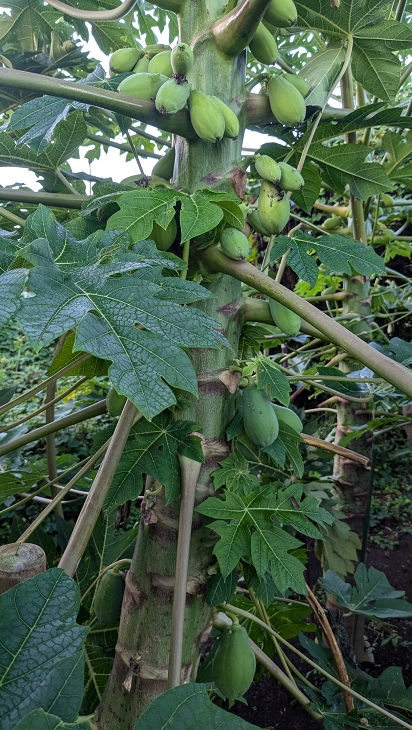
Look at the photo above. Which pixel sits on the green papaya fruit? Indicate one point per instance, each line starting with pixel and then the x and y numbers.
pixel 271 28
pixel 267 168
pixel 263 46
pixel 124 60
pixel 207 120
pixel 384 237
pixel 287 103
pixel 286 415
pixel 273 208
pixel 182 59
pixel 234 244
pixel 290 178
pixel 287 321
pixel 164 167
pixel 164 238
pixel 108 598
pixel 254 220
pixel 234 663
pixel 259 418
pixel 172 96
pixel 231 121
pixel 386 200
pixel 332 223
pixel 160 64
pixel 373 210
pixel 281 13
pixel 142 65
pixel 142 85
pixel 155 48
pixel 298 82
pixel 115 402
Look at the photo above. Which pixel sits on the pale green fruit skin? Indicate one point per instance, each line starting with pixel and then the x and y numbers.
pixel 287 321
pixel 124 60
pixel 281 13
pixel 259 419
pixel 286 102
pixel 232 126
pixel 290 178
pixel 182 59
pixel 234 244
pixel 386 200
pixel 164 239
pixel 172 96
pixel 263 46
pixel 160 64
pixel 286 415
pixel 298 82
pixel 234 663
pixel 273 208
pixel 142 85
pixel 155 48
pixel 331 224
pixel 164 167
pixel 142 65
pixel 254 220
pixel 267 168
pixel 207 120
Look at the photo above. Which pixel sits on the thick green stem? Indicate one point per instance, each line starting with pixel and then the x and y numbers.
pixel 234 31
pixel 94 15
pixel 4 213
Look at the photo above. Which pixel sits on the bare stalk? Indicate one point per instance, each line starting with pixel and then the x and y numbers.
pixel 234 31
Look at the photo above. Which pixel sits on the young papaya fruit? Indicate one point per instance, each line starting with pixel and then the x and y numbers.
pixel 164 238
pixel 142 65
pixel 259 418
pixel 155 48
pixel 182 59
pixel 286 415
pixel 267 168
pixel 207 120
pixel 164 167
pixel 142 85
pixel 386 200
pixel 263 46
pixel 231 121
pixel 172 96
pixel 287 321
pixel 160 64
pixel 115 402
pixel 332 223
pixel 108 598
pixel 298 82
pixel 290 178
pixel 286 102
pixel 281 13
pixel 273 208
pixel 234 244
pixel 254 220
pixel 124 60
pixel 234 663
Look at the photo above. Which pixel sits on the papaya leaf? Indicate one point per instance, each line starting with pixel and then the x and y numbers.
pixel 41 655
pixel 271 378
pixel 15 481
pixel 234 474
pixel 390 689
pixel 182 707
pixel 345 165
pixel 11 287
pixel 321 72
pixel 99 651
pixel 307 197
pixel 41 720
pixel 349 19
pixel 287 620
pixel 29 20
pixel 220 590
pixel 91 368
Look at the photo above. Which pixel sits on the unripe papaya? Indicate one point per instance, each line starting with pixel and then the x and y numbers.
pixel 234 244
pixel 287 321
pixel 164 167
pixel 263 46
pixel 286 415
pixel 386 200
pixel 234 663
pixel 115 402
pixel 142 65
pixel 155 48
pixel 164 238
pixel 124 60
pixel 108 598
pixel 298 82
pixel 259 418
pixel 254 220
pixel 160 64
pixel 207 120
pixel 281 13
pixel 273 208
pixel 267 168
pixel 142 85
pixel 331 224
pixel 182 59
pixel 290 178
pixel 172 96
pixel 231 121
pixel 286 102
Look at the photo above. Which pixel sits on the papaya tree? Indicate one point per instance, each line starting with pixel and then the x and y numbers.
pixel 161 301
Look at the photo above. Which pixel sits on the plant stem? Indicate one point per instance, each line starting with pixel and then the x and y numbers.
pixel 94 15
pixel 335 449
pixel 11 217
pixel 263 613
pixel 146 135
pixel 93 505
pixel 234 31
pixel 134 152
pixel 65 182
pixel 125 561
pixel 185 258
pixel 57 200
pixel 106 141
pixel 42 408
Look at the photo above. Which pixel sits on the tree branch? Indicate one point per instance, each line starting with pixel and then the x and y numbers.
pixel 120 145
pixel 94 15
pixel 234 31
pixel 394 373
pixel 139 109
pixel 54 199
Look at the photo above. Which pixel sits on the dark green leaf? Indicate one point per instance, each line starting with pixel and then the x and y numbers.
pixel 219 589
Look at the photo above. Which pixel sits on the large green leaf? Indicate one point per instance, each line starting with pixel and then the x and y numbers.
pixel 41 720
pixel 376 68
pixel 235 475
pixel 345 165
pixel 41 659
pixel 321 73
pixel 29 20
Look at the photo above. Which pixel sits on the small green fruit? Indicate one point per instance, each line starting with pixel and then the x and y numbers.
pixel 234 663
pixel 286 102
pixel 267 168
pixel 254 220
pixel 172 96
pixel 386 200
pixel 259 419
pixel 142 66
pixel 273 208
pixel 290 178
pixel 298 82
pixel 331 224
pixel 108 598
pixel 124 60
pixel 281 13
pixel 182 59
pixel 160 64
pixel 286 415
pixel 142 85
pixel 207 120
pixel 234 244
pixel 164 167
pixel 287 321
pixel 155 48
pixel 164 239
pixel 263 46
pixel 231 121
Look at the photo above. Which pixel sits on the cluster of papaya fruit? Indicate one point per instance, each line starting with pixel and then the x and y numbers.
pixel 159 74
pixel 261 417
pixel 273 209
